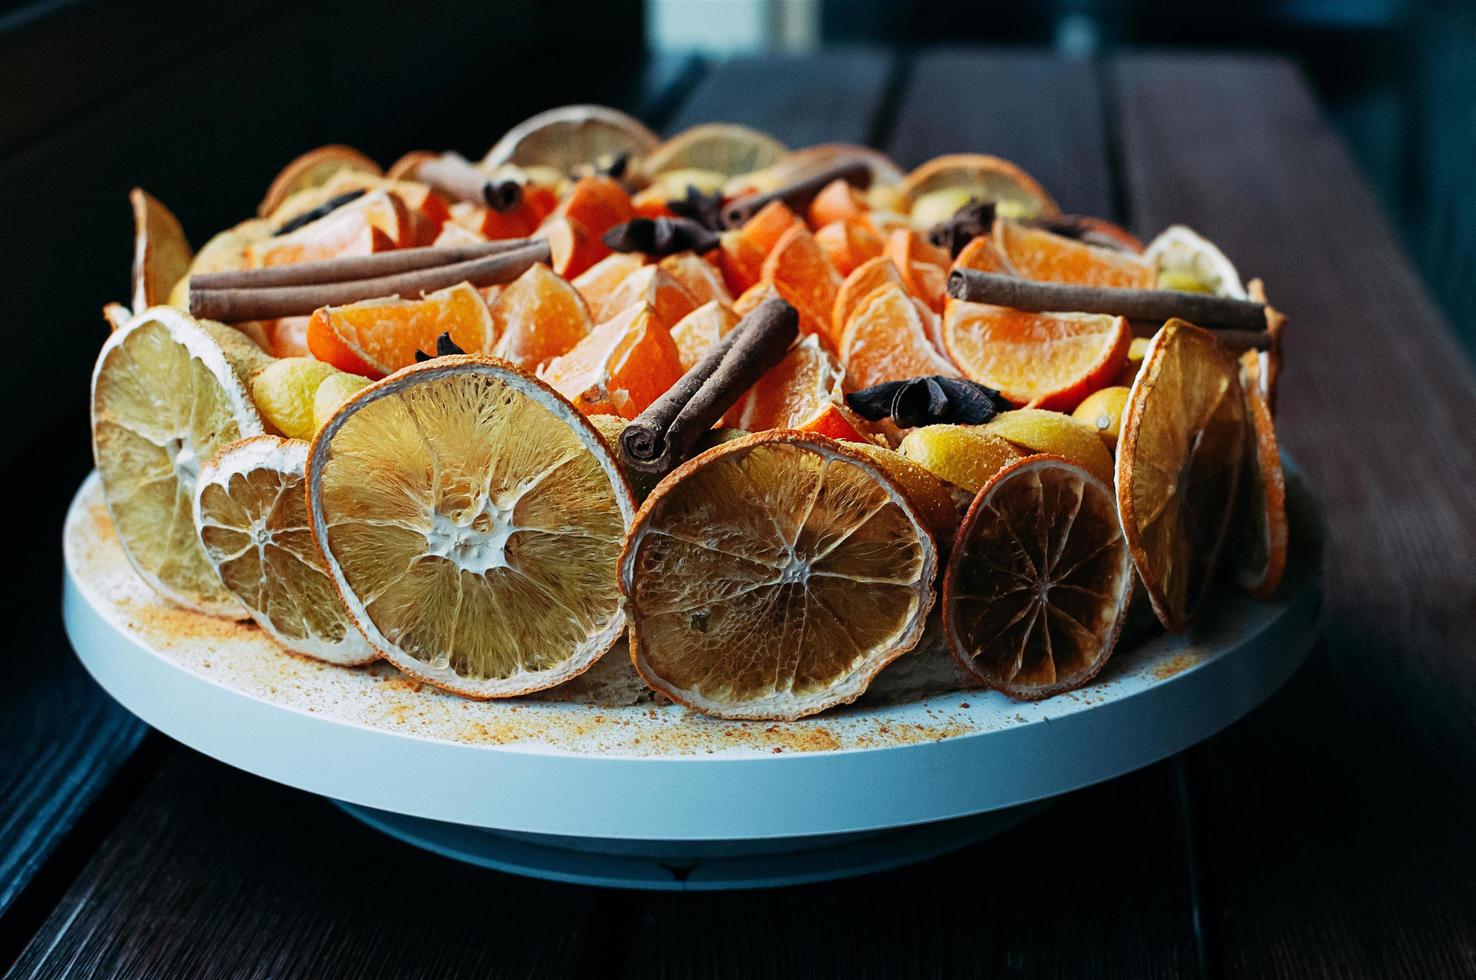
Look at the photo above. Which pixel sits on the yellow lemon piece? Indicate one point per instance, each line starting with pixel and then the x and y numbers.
pixel 336 389
pixel 1102 410
pixel 1039 431
pixel 963 455
pixel 936 207
pixel 1136 350
pixel 284 393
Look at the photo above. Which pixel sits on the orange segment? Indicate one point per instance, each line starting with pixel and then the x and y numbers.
pixel 538 317
pixel 796 393
pixel 700 278
pixel 866 279
pixel 839 201
pixel 700 329
pixel 1037 254
pixel 653 286
pixel 848 243
pixel 764 229
pixel 373 223
pixel 379 336
pixel 599 280
pixel 885 340
pixel 800 272
pixel 620 368
pixel 572 248
pixel 597 203
pixel 1049 360
pixel 313 169
pixel 981 254
pixel 740 261
pixel 922 266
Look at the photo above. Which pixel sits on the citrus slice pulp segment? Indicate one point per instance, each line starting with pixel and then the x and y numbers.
pixel 250 511
pixel 161 255
pixel 313 168
pixel 1179 457
pixel 848 243
pixel 1260 532
pixel 1037 254
pixel 987 178
pixel 774 576
pixel 1052 360
pixel 654 286
pixel 378 336
pixel 723 148
pixel 374 223
pixel 886 340
pixel 799 270
pixel 597 282
pixel 790 393
pixel 471 520
pixel 538 317
pixel 571 135
pixel 700 278
pixel 1039 580
pixel 164 399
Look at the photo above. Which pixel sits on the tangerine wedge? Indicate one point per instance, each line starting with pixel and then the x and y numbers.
pixel 538 317
pixel 864 280
pixel 799 271
pixel 1037 254
pixel 621 367
pixel 378 336
pixel 886 340
pixel 700 329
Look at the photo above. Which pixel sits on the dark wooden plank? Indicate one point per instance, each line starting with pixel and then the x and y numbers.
pixel 218 874
pixel 1334 825
pixel 832 96
pixel 1036 110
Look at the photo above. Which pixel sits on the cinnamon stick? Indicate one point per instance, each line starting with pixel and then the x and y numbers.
pixel 457 177
pixel 798 194
pixel 353 266
pixel 661 436
pixel 1156 305
pixel 236 305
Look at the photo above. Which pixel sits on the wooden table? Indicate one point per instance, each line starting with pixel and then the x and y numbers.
pixel 1330 833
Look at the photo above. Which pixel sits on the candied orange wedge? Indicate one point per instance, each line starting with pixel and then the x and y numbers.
pixel 379 336
pixel 886 340
pixel 538 317
pixel 799 271
pixel 621 367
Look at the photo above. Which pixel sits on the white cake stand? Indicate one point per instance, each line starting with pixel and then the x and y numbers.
pixel 651 796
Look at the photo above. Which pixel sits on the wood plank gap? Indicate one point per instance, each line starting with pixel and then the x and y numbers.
pixel 1204 954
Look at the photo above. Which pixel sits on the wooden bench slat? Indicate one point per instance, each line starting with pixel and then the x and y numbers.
pixel 1333 840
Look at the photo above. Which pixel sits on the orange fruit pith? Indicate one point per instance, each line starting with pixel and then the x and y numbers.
pixel 800 272
pixel 1049 360
pixel 538 317
pixel 379 336
pixel 866 279
pixel 1039 579
pixel 886 340
pixel 1037 254
pixel 803 571
pixel 700 329
pixel 793 394
pixel 620 368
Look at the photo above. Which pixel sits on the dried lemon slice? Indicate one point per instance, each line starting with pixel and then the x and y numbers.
pixel 570 136
pixel 720 148
pixel 1179 458
pixel 1188 261
pixel 165 397
pixel 471 519
pixel 979 176
pixel 773 577
pixel 1039 579
pixel 251 514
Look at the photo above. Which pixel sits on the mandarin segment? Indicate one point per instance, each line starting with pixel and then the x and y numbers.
pixel 621 367
pixel 538 317
pixel 799 271
pixel 848 244
pixel 696 332
pixel 379 336
pixel 1038 254
pixel 886 340
pixel 864 280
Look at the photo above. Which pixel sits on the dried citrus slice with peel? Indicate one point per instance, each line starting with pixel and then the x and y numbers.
pixel 932 497
pixel 1179 459
pixel 570 136
pixel 981 177
pixel 250 511
pixel 312 169
pixel 376 222
pixel 886 340
pixel 378 336
pixel 1186 260
pixel 1260 533
pixel 165 397
pixel 722 148
pixel 1039 579
pixel 1037 430
pixel 1037 254
pixel 471 520
pixel 1051 360
pixel 161 255
pixel 773 576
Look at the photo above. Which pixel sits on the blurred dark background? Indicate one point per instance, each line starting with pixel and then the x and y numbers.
pixel 202 103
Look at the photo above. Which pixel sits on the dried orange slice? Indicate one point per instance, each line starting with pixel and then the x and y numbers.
pixel 313 169
pixel 167 392
pixel 653 286
pixel 799 271
pixel 250 511
pixel 597 282
pixel 1049 360
pixel 538 317
pixel 1259 535
pixel 378 336
pixel 980 177
pixel 570 137
pixel 700 329
pixel 848 243
pixel 1037 254
pixel 864 280
pixel 471 520
pixel 161 256
pixel 1179 459
pixel 700 278
pixel 1039 580
pixel 773 576
pixel 886 340
pixel 621 367
pixel 721 148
